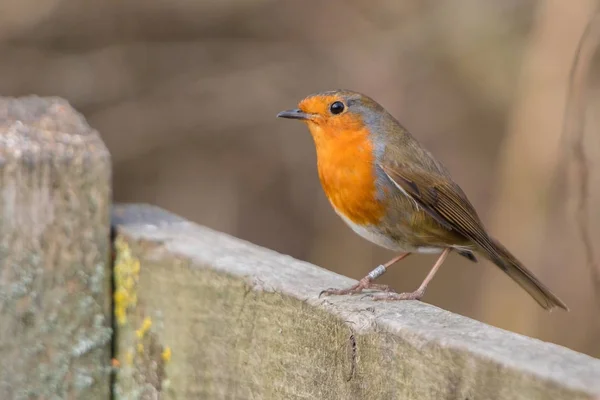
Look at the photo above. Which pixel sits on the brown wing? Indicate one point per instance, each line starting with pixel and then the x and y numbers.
pixel 447 204
pixel 442 199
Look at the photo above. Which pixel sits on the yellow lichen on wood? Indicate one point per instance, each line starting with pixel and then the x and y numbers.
pixel 146 324
pixel 166 354
pixel 145 358
pixel 126 272
pixel 142 338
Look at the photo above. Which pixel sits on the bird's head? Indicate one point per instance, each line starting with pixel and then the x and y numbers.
pixel 334 113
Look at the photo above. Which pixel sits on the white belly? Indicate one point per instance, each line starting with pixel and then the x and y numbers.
pixel 373 235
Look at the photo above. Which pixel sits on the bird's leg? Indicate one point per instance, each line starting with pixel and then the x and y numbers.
pixel 420 292
pixel 367 281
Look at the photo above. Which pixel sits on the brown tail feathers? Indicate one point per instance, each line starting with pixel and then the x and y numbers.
pixel 500 256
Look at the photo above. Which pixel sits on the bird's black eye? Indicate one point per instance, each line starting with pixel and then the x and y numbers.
pixel 336 107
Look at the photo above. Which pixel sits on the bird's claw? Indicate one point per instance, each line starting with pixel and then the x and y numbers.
pixel 338 292
pixel 363 284
pixel 326 291
pixel 416 295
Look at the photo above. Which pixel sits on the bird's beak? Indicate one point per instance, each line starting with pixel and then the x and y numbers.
pixel 294 114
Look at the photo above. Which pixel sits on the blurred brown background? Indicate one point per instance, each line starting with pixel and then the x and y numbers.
pixel 185 95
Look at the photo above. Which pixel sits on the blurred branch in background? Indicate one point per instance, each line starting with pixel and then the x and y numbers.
pixel 529 160
pixel 581 142
pixel 16 16
pixel 574 138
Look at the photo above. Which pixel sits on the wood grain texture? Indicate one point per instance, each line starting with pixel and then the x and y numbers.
pixel 55 328
pixel 215 317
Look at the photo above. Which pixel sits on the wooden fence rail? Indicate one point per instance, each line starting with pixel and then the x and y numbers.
pixel 197 314
pixel 220 318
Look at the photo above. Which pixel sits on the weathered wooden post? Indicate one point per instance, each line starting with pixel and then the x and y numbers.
pixel 55 320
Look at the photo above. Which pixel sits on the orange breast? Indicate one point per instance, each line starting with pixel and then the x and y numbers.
pixel 346 170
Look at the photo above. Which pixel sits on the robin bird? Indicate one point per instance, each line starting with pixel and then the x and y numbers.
pixel 394 193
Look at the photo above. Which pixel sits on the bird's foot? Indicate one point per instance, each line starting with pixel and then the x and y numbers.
pixel 391 296
pixel 364 283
